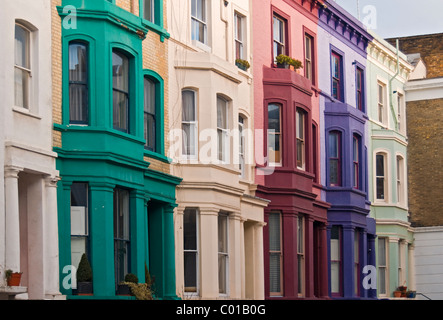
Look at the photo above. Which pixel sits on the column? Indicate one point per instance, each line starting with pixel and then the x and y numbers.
pixel 259 286
pixel 12 224
pixel 102 238
pixel 323 268
pixel 372 293
pixel 393 265
pixel 235 245
pixel 348 261
pixel 209 253
pixel 50 225
pixel 309 280
pixel 290 261
pixel 138 233
pixel 64 236
pixel 411 269
pixel 169 252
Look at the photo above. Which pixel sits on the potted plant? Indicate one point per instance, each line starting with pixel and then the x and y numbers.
pixel 84 277
pixel 397 293
pixel 403 290
pixel 124 286
pixel 13 278
pixel 242 64
pixel 410 294
pixel 284 61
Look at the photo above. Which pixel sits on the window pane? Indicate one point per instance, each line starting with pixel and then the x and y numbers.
pixel 190 271
pixel 221 113
pixel 274 228
pixel 222 273
pixel 188 112
pixel 120 114
pixel 380 165
pixel 274 118
pixel 22 37
pixel 78 66
pixel 223 233
pixel 21 84
pixel 275 272
pixel 149 10
pixel 190 229
pixel 120 71
pixel 333 145
pixel 78 103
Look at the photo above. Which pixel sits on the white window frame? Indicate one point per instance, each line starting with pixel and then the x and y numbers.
pixel 193 127
pixel 385 267
pixel 382 104
pixel 197 20
pixel 241 42
pixel 242 145
pixel 224 254
pixel 28 94
pixel 386 176
pixel 223 132
pixel 282 39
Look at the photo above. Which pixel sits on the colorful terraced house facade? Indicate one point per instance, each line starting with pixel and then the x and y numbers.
pixel 288 173
pixel 178 145
pixel 387 73
pixel 342 43
pixel 116 197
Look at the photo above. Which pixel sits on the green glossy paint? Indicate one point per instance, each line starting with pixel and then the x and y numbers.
pixel 107 158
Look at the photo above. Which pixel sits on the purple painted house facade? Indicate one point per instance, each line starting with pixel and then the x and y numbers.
pixel 342 42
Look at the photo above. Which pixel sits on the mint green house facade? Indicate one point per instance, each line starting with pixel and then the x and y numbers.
pixel 387 73
pixel 111 205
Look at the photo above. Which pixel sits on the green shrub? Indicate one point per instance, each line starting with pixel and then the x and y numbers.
pixel 84 271
pixel 130 277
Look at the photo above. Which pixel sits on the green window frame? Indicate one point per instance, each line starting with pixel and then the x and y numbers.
pixel 159 151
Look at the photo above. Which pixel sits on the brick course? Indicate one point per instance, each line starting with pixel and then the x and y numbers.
pixel 429 46
pixel 425 162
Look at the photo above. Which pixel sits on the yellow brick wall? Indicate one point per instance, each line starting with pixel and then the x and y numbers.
pixel 56 71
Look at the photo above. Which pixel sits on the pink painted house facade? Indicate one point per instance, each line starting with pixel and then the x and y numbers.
pixel 287 123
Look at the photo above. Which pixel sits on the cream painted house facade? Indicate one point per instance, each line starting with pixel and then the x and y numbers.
pixel 28 179
pixel 219 220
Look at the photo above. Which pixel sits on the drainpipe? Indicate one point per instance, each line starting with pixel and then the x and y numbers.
pixel 223 16
pixel 390 88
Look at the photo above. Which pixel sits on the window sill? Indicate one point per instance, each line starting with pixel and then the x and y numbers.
pixel 156 28
pixel 201 46
pixel 25 112
pixel 157 156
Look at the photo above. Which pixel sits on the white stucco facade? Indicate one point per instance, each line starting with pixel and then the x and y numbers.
pixel 28 205
pixel 214 191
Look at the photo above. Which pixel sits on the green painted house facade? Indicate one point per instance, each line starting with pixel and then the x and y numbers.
pixel 387 72
pixel 111 205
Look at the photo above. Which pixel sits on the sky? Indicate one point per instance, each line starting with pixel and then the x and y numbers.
pixel 398 18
